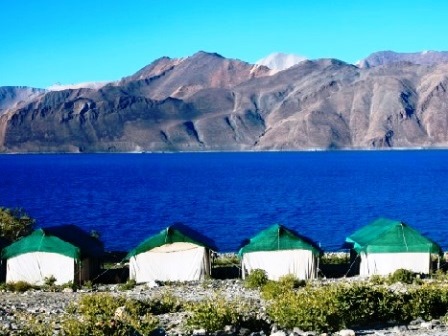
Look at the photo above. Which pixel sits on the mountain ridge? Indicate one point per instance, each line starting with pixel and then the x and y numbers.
pixel 207 102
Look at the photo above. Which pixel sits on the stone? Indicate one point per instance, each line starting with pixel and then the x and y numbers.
pixel 278 333
pixel 399 329
pixel 199 332
pixel 426 325
pixel 229 329
pixel 346 332
pixel 151 284
pixel 244 332
pixel 297 330
pixel 119 312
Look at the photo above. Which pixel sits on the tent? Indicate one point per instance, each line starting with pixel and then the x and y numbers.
pixel 176 253
pixel 280 251
pixel 65 252
pixel 386 245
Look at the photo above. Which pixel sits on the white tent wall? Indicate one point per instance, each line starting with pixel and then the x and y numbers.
pixel 175 265
pixel 34 267
pixel 386 263
pixel 300 263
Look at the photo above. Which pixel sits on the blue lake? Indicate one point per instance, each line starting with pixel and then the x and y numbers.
pixel 230 196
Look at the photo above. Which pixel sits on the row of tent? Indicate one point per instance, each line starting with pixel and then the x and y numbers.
pixel 179 253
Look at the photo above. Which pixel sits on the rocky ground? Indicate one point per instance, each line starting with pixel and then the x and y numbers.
pixel 14 306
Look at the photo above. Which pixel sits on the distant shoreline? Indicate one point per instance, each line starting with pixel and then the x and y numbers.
pixel 394 149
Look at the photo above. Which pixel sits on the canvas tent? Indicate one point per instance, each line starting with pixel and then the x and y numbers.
pixel 386 245
pixel 280 251
pixel 176 253
pixel 65 252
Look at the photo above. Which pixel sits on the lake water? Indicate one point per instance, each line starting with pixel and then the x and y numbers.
pixel 230 196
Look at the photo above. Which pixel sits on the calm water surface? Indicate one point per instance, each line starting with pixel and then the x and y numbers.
pixel 230 196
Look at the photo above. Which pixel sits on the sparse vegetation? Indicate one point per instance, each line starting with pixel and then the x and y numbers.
pixel 104 314
pixel 18 286
pixel 128 285
pixel 335 258
pixel 291 303
pixel 256 279
pixel 14 223
pixel 228 259
pixel 287 283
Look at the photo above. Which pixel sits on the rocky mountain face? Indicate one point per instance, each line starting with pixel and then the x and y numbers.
pixel 12 97
pixel 207 102
pixel 390 57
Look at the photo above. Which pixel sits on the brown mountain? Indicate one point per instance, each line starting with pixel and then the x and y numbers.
pixel 207 102
pixel 389 57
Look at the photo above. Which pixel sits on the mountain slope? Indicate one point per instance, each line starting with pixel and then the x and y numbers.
pixel 182 78
pixel 390 57
pixel 232 105
pixel 15 96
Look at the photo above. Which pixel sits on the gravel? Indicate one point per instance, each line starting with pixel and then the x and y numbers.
pixel 50 305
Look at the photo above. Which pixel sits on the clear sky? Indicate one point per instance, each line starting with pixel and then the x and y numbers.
pixel 43 42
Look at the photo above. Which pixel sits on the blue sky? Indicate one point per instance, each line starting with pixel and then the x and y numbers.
pixel 48 41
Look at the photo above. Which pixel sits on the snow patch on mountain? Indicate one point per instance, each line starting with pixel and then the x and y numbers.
pixel 280 61
pixel 86 85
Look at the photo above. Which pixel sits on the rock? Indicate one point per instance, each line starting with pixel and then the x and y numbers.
pixel 199 332
pixel 426 325
pixel 346 332
pixel 229 329
pixel 297 331
pixel 278 333
pixel 244 332
pixel 417 321
pixel 151 284
pixel 258 333
pixel 399 329
pixel 67 290
pixel 119 312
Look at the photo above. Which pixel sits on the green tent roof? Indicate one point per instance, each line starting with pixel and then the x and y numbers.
pixel 172 234
pixel 389 236
pixel 277 237
pixel 40 241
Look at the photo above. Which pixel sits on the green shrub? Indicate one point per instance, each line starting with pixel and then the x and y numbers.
pixel 428 301
pixel 256 279
pixel 439 275
pixel 212 314
pixel 226 260
pixel 88 284
pixel 377 280
pixel 311 309
pixel 70 284
pixel 104 314
pixel 50 281
pixel 165 303
pixel 215 313
pixel 18 286
pixel 334 258
pixel 128 285
pixel 15 223
pixel 333 307
pixel 402 275
pixel 273 289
